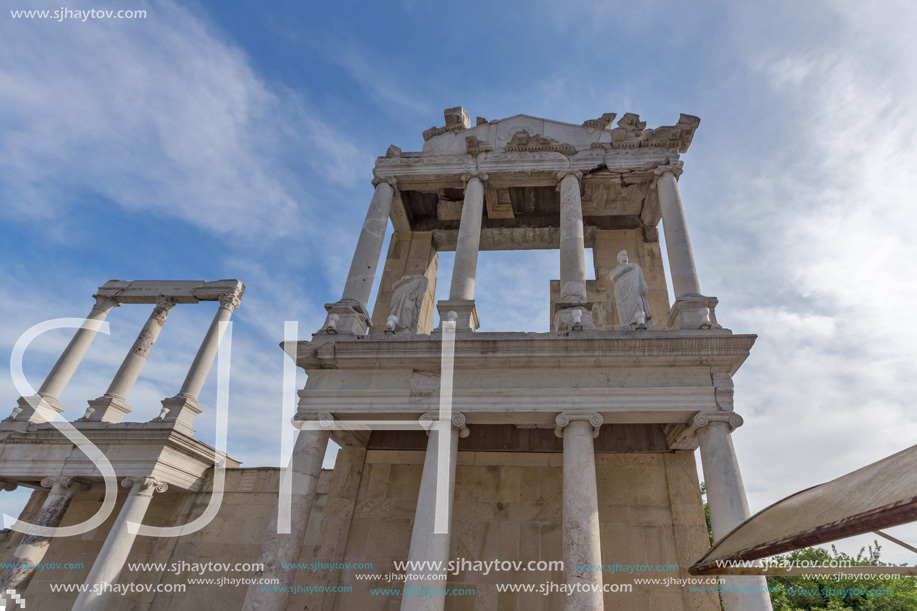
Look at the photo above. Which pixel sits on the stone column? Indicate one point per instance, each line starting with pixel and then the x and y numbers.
pixel 691 309
pixel 112 406
pixel 572 244
pixel 426 544
pixel 32 548
pixel 69 360
pixel 582 540
pixel 677 241
pixel 184 407
pixel 350 315
pixel 572 310
pixel 461 292
pixel 277 549
pixel 117 547
pixel 726 498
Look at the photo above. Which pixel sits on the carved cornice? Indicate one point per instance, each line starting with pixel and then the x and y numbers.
pixel 563 419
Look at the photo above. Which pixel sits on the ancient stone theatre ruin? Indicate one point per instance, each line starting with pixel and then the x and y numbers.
pixel 576 444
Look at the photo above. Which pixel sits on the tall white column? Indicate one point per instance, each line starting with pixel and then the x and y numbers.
pixel 572 242
pixel 349 314
pixel 184 407
pixel 727 502
pixel 117 547
pixel 285 548
pixel 677 241
pixel 112 406
pixel 69 360
pixel 469 240
pixel 461 292
pixel 426 544
pixel 581 536
pixel 32 548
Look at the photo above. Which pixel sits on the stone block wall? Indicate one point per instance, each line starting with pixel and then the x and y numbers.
pixel 508 506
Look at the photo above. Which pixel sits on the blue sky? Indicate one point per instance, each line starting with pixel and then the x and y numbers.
pixel 236 140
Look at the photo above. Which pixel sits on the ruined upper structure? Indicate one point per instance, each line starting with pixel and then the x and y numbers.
pixel 526 183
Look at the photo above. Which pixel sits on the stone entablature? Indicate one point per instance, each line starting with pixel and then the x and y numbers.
pixel 524 379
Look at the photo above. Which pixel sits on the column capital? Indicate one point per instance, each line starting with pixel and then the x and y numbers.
pixel 704 419
pixel 675 168
pixel 104 303
pixel 389 180
pixel 144 485
pixel 66 482
pixel 344 437
pixel 165 302
pixel 479 175
pixel 563 419
pixel 428 419
pixel 230 301
pixel 564 173
pixel 8 485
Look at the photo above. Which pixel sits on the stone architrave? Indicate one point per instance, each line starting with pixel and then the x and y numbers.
pixel 630 295
pixel 407 299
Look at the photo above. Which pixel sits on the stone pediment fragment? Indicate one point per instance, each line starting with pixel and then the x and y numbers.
pixel 523 142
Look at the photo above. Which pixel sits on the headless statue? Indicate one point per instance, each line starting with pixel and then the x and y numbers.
pixel 630 295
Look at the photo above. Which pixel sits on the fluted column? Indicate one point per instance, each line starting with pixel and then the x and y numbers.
pixel 110 561
pixel 184 407
pixel 677 241
pixel 581 536
pixel 112 406
pixel 426 543
pixel 69 360
pixel 349 315
pixel 461 292
pixel 31 550
pixel 285 548
pixel 727 502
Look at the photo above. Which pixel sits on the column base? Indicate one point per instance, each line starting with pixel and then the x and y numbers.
pixel 467 312
pixel 107 409
pixel 565 318
pixel 27 413
pixel 693 312
pixel 182 411
pixel 346 317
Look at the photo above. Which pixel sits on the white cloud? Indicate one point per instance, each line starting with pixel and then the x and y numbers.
pixel 159 116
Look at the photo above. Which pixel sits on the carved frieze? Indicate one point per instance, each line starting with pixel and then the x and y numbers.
pixel 524 142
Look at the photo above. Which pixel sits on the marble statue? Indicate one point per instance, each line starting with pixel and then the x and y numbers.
pixel 630 295
pixel 407 297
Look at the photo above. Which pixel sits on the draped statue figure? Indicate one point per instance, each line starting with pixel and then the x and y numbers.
pixel 630 295
pixel 407 298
